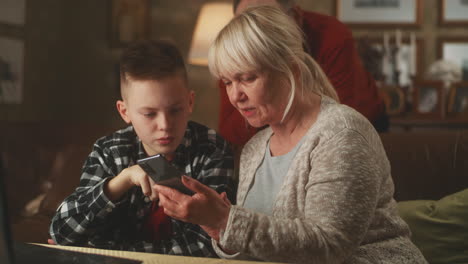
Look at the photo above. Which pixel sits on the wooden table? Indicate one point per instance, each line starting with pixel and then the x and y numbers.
pixel 151 258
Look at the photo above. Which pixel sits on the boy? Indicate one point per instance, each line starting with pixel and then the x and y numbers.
pixel 115 206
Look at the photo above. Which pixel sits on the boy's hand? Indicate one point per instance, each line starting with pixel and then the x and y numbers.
pixel 138 177
pixel 128 178
pixel 206 207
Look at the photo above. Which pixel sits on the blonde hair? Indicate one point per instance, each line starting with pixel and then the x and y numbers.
pixel 264 38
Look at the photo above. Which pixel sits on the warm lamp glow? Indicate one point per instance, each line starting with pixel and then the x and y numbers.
pixel 212 18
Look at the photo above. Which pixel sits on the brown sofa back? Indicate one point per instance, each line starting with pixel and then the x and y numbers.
pixel 45 156
pixel 427 165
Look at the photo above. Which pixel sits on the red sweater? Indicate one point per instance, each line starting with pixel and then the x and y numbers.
pixel 331 44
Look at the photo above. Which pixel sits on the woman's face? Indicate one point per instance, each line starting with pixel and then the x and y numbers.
pixel 260 97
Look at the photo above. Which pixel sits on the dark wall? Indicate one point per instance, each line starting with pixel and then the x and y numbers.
pixel 70 68
pixel 67 64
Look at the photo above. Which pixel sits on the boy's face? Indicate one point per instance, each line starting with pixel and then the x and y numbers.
pixel 159 111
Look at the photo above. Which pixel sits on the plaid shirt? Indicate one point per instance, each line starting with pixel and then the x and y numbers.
pixel 88 218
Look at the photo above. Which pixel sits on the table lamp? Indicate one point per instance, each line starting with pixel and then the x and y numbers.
pixel 211 19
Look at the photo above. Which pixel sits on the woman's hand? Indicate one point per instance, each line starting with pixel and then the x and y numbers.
pixel 214 233
pixel 206 207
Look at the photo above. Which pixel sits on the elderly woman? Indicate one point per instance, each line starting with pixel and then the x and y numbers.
pixel 315 185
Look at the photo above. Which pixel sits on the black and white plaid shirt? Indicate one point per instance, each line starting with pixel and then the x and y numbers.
pixel 88 218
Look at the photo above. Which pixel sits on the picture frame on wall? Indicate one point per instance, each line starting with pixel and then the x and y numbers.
pixel 458 99
pixel 455 50
pixel 12 12
pixel 11 70
pixel 392 13
pixel 429 98
pixel 453 12
pixel 129 21
pixel 392 69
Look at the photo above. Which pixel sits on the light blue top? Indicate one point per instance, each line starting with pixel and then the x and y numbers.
pixel 268 180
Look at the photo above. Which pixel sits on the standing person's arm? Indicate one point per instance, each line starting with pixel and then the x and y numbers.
pixel 332 45
pixel 344 68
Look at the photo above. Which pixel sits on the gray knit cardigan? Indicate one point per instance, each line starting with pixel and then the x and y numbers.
pixel 336 203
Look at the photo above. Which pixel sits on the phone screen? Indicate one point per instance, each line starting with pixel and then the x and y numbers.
pixel 163 173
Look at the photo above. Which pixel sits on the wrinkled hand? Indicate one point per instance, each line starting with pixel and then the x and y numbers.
pixel 138 177
pixel 206 207
pixel 214 233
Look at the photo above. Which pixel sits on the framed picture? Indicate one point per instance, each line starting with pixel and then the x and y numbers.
pixel 392 68
pixel 11 70
pixel 394 13
pixel 458 98
pixel 394 99
pixel 429 98
pixel 456 51
pixel 12 12
pixel 129 21
pixel 453 12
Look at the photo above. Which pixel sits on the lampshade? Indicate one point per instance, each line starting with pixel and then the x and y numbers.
pixel 211 19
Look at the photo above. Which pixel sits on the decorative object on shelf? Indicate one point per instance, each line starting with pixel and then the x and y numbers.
pixel 12 12
pixel 455 50
pixel 453 12
pixel 11 70
pixel 429 98
pixel 393 13
pixel 458 99
pixel 394 99
pixel 129 21
pixel 392 61
pixel 446 71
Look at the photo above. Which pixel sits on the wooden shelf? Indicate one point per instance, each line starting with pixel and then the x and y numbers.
pixel 410 121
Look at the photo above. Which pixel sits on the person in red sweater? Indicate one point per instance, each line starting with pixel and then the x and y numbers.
pixel 331 44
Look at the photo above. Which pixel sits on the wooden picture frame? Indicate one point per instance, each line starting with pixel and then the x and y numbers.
pixel 455 49
pixel 429 98
pixel 13 12
pixel 129 21
pixel 386 13
pixel 453 12
pixel 394 99
pixel 458 99
pixel 11 70
pixel 377 45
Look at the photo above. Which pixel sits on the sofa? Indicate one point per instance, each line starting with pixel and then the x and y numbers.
pixel 43 162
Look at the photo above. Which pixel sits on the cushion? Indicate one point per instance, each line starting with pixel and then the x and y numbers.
pixel 64 177
pixel 439 228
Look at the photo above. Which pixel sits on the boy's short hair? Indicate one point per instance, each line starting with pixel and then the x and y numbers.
pixel 147 60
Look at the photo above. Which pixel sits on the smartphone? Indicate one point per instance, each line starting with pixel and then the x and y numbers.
pixel 163 173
